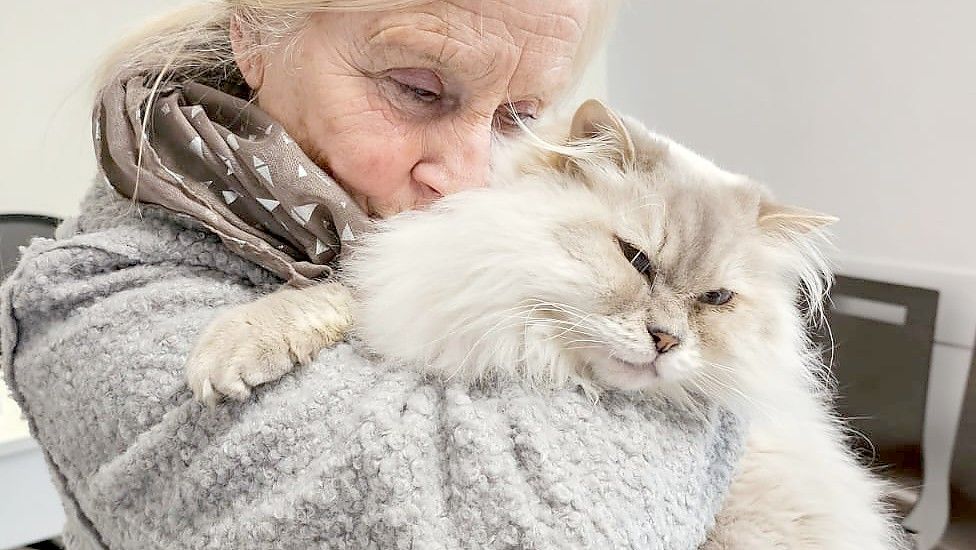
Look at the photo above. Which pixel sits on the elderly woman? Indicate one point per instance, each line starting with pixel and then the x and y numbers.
pixel 241 143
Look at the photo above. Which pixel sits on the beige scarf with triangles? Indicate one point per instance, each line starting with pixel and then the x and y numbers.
pixel 223 161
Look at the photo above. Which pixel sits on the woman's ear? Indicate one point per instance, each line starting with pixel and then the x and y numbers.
pixel 244 42
pixel 595 121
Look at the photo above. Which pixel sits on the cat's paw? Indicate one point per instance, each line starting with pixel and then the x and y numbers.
pixel 260 342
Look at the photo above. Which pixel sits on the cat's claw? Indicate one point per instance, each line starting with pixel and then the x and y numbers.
pixel 234 355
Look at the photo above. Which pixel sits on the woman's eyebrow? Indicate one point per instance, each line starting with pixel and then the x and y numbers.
pixel 433 51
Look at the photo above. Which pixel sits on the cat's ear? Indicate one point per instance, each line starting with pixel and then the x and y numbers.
pixel 595 121
pixel 783 220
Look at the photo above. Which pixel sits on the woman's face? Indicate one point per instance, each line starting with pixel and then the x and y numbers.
pixel 401 107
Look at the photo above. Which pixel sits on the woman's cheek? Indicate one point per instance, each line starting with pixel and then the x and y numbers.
pixel 374 164
pixel 367 145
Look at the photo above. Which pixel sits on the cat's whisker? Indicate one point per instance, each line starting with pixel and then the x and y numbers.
pixel 596 343
pixel 582 317
pixel 560 335
pixel 505 323
pixel 729 387
pixel 545 308
pixel 719 366
pixel 723 386
pixel 565 308
pixel 653 283
pixel 573 327
pixel 475 346
pixel 655 204
pixel 582 320
pixel 695 406
pixel 467 325
pixel 553 321
pixel 593 338
pixel 578 348
pixel 511 321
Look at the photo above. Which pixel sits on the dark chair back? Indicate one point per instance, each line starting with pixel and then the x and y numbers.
pixel 882 348
pixel 16 230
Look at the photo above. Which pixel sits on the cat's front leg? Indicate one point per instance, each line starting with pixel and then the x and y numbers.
pixel 799 489
pixel 759 513
pixel 261 341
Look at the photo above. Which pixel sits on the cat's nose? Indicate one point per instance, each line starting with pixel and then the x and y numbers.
pixel 663 341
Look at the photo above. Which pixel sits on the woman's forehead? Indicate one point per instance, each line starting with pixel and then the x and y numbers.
pixel 529 40
pixel 564 18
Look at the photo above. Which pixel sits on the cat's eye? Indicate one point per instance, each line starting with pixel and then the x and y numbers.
pixel 718 297
pixel 637 258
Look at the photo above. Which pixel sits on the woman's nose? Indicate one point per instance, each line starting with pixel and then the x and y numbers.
pixel 456 158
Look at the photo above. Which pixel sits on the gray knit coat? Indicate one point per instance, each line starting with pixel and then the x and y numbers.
pixel 346 453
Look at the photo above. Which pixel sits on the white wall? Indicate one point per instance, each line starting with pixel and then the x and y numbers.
pixel 865 109
pixel 48 53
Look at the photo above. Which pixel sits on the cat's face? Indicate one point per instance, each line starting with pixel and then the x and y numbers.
pixel 649 268
pixel 692 273
pixel 679 281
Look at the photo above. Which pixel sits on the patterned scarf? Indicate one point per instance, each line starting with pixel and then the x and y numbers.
pixel 224 162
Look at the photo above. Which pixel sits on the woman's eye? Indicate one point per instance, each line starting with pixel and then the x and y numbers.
pixel 718 297
pixel 636 257
pixel 514 116
pixel 421 94
pixel 419 84
pixel 426 96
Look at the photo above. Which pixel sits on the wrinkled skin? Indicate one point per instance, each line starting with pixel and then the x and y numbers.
pixel 402 107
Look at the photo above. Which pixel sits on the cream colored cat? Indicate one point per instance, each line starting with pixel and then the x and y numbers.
pixel 643 267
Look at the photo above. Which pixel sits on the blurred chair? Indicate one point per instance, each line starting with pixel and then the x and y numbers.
pixel 882 347
pixel 962 514
pixel 881 350
pixel 30 510
pixel 16 230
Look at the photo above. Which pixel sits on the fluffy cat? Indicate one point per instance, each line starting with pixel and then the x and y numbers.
pixel 638 267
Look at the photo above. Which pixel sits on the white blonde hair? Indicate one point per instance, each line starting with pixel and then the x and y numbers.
pixel 194 41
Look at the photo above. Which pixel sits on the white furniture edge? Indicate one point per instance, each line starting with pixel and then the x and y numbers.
pixel 952 358
pixel 16 446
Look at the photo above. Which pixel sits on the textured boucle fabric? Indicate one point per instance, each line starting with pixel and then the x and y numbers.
pixel 346 453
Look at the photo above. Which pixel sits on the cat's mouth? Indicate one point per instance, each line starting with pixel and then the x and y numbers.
pixel 627 368
pixel 643 367
pixel 631 374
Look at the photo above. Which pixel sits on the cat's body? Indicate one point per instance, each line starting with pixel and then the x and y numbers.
pixel 647 268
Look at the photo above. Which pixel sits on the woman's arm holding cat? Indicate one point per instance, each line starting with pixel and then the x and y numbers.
pixel 261 341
